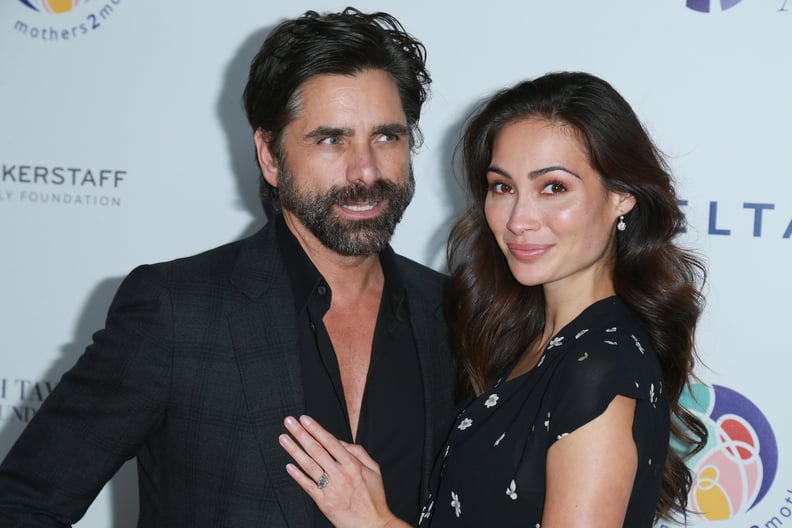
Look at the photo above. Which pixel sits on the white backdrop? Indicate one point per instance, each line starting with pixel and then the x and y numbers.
pixel 122 141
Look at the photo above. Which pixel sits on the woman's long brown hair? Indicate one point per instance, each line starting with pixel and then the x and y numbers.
pixel 494 319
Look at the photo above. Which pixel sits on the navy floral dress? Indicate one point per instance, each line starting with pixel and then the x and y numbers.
pixel 491 471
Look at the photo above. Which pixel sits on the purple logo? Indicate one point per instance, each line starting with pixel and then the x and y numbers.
pixel 736 468
pixel 705 6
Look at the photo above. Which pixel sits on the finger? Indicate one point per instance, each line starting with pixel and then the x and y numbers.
pixel 362 456
pixel 305 461
pixel 305 482
pixel 309 445
pixel 330 443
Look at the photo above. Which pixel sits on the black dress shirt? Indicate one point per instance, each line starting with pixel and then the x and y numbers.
pixel 390 426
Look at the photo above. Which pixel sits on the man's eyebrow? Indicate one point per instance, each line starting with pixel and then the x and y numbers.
pixel 392 129
pixel 324 131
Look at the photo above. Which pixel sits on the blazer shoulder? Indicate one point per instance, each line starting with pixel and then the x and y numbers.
pixel 217 262
pixel 419 274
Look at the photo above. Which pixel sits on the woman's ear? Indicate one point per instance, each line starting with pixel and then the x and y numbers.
pixel 268 162
pixel 623 202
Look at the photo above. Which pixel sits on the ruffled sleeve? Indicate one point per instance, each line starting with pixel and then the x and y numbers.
pixel 594 370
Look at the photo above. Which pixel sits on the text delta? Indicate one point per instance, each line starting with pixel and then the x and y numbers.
pixel 759 211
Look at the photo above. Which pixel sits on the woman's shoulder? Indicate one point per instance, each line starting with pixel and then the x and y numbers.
pixel 605 348
pixel 608 324
pixel 605 353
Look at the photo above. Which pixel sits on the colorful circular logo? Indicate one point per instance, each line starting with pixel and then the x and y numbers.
pixel 51 6
pixel 705 6
pixel 736 468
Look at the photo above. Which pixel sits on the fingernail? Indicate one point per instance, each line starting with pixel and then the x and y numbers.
pixel 283 439
pixel 306 420
pixel 289 421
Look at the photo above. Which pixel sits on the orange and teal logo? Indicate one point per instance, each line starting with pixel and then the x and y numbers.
pixel 736 468
pixel 52 6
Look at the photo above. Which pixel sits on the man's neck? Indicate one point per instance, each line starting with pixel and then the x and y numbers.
pixel 348 276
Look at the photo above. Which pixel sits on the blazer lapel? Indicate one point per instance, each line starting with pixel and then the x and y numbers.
pixel 265 340
pixel 436 371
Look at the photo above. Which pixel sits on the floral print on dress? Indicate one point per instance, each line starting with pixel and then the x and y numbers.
pixel 493 498
pixel 511 491
pixel 652 395
pixel 456 504
pixel 464 424
pixel 491 401
pixel 426 511
pixel 556 341
pixel 638 344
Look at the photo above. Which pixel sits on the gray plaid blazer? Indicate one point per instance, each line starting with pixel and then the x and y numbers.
pixel 193 374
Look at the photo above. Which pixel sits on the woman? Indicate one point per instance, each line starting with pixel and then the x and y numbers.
pixel 574 313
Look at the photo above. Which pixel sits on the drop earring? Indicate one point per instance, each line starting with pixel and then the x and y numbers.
pixel 622 225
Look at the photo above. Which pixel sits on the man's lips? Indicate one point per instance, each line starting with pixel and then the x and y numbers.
pixel 360 207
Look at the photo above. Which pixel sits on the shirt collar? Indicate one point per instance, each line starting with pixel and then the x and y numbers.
pixel 305 278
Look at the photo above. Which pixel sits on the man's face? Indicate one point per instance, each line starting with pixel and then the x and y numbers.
pixel 344 173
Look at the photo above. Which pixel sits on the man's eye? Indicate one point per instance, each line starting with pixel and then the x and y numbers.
pixel 330 140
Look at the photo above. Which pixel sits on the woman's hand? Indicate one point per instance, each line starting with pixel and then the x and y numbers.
pixel 341 478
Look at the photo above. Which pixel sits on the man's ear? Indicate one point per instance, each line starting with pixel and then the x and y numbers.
pixel 268 162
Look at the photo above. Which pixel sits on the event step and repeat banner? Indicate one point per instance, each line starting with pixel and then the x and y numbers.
pixel 122 141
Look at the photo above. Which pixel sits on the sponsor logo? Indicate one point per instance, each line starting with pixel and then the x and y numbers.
pixel 715 6
pixel 755 219
pixel 705 6
pixel 61 185
pixel 62 20
pixel 20 399
pixel 51 6
pixel 736 469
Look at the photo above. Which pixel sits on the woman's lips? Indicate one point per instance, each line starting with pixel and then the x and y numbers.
pixel 529 251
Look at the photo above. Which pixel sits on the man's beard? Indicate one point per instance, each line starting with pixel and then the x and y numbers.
pixel 348 237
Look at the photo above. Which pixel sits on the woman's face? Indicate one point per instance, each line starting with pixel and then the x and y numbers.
pixel 548 209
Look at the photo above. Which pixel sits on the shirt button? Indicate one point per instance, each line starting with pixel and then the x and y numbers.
pixel 321 290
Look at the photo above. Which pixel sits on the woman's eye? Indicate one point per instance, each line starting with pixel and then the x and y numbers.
pixel 500 188
pixel 553 188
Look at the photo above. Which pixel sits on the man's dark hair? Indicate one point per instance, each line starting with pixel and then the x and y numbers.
pixel 344 43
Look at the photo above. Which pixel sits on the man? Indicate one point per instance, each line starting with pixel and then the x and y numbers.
pixel 202 358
